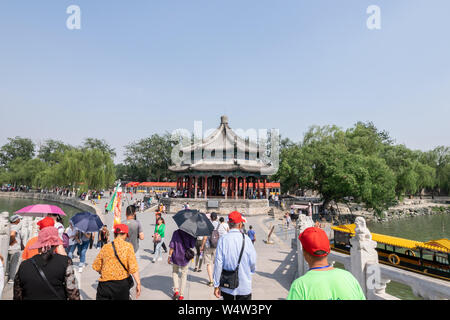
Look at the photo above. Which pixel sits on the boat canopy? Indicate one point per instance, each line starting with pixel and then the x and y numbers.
pixel 441 245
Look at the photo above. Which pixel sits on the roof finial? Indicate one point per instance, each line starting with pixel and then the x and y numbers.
pixel 223 120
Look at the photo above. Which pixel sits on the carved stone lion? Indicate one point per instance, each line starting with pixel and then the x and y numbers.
pixel 304 222
pixel 363 237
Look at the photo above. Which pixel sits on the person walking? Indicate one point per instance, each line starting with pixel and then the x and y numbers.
pixel 117 265
pixel 15 247
pixel 58 223
pixel 223 227
pixel 103 236
pixel 158 239
pixel 136 232
pixel 198 254
pixel 322 281
pixel 181 243
pixel 251 234
pixel 47 275
pixel 209 245
pixel 83 245
pixel 72 234
pixel 2 275
pixel 235 252
pixel 288 219
pixel 29 253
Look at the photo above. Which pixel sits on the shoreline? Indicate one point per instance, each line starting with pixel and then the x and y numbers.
pixel 73 202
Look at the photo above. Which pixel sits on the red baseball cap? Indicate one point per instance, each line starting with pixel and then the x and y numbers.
pixel 46 222
pixel 121 228
pixel 236 217
pixel 314 239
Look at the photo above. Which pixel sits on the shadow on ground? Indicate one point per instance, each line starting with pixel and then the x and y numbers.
pixel 284 275
pixel 158 283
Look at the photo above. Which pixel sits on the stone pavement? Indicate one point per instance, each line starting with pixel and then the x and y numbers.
pixel 275 267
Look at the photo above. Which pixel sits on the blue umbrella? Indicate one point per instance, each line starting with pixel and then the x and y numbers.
pixel 87 222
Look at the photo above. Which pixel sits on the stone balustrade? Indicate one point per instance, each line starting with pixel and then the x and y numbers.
pixel 372 276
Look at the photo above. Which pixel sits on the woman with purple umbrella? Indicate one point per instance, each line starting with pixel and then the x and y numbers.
pixel 86 223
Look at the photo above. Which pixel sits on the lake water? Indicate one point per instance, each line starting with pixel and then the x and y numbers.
pixel 420 228
pixel 13 204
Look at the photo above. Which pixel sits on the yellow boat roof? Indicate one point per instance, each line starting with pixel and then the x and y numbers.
pixel 442 245
pixel 347 228
pixel 395 241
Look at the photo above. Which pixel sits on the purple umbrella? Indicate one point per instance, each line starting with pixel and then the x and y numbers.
pixel 40 210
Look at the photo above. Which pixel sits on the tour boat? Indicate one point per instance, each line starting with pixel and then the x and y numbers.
pixel 430 258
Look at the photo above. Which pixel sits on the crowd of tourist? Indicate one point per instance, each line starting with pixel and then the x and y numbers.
pixel 229 256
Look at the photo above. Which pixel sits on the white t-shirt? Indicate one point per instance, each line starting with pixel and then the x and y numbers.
pixel 60 228
pixel 16 228
pixel 223 229
pixel 71 233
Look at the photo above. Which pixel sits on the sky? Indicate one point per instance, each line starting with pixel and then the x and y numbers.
pixel 136 68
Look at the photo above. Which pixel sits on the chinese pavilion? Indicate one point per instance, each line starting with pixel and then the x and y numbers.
pixel 223 166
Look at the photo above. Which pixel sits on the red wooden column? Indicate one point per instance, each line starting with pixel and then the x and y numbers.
pixel 226 187
pixel 243 187
pixel 258 190
pixel 195 187
pixel 265 189
pixel 206 187
pixel 236 187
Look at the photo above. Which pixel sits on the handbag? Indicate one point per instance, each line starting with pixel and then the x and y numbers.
pixel 130 277
pixel 156 236
pixel 189 254
pixel 42 274
pixel 230 279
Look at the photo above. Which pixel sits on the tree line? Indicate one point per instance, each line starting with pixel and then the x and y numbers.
pixel 361 164
pixel 56 164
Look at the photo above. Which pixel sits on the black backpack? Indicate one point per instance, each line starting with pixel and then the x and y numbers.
pixel 214 238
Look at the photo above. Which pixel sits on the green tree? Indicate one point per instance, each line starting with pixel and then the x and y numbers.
pixel 149 159
pixel 101 144
pixel 17 147
pixel 51 151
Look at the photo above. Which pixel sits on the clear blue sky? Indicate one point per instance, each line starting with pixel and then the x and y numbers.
pixel 141 67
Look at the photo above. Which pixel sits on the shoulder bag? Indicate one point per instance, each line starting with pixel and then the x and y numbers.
pixel 188 252
pixel 156 236
pixel 230 279
pixel 42 274
pixel 130 277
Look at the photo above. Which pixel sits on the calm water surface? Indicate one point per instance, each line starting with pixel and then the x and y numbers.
pixel 421 228
pixel 13 204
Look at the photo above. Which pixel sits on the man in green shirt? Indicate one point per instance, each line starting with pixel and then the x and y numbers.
pixel 322 281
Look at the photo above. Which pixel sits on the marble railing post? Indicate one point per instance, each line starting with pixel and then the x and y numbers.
pixel 362 252
pixel 303 223
pixel 4 237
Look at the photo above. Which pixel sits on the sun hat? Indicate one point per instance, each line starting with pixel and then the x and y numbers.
pixel 14 218
pixel 120 228
pixel 47 237
pixel 315 241
pixel 236 217
pixel 46 222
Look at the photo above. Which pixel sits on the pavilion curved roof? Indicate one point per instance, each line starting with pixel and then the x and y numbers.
pixel 224 138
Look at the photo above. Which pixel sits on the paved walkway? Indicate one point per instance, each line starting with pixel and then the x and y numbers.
pixel 275 268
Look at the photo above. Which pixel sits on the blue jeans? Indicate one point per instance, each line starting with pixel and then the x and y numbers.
pixel 83 248
pixel 158 252
pixel 70 249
